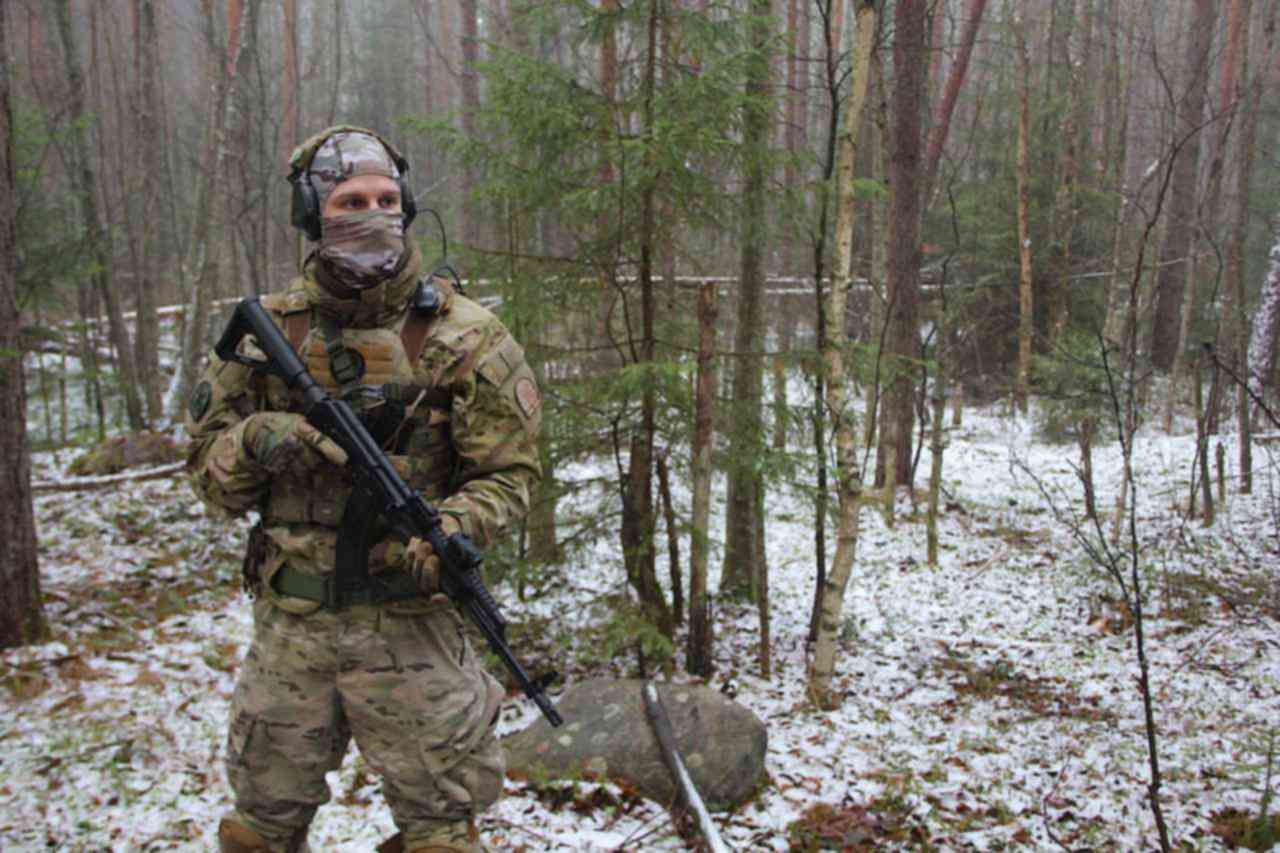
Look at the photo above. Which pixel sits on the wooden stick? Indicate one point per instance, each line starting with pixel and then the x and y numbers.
pixel 84 483
pixel 684 782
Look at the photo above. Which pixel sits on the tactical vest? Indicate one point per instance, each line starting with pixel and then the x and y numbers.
pixel 377 376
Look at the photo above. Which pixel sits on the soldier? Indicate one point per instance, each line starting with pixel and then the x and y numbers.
pixel 441 382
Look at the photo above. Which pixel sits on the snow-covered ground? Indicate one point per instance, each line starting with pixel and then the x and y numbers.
pixel 990 702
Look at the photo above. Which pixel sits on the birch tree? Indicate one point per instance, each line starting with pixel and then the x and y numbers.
pixel 838 382
pixel 1266 319
pixel 701 626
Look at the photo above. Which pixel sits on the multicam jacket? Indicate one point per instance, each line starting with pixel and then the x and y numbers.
pixel 467 441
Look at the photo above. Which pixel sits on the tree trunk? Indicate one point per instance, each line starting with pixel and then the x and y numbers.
pixel 950 95
pixel 831 89
pixel 673 540
pixel 1266 319
pixel 903 291
pixel 22 619
pixel 881 145
pixel 96 236
pixel 1180 230
pixel 638 525
pixel 790 135
pixel 470 105
pixel 1233 326
pixel 746 442
pixel 1063 218
pixel 849 475
pixel 210 231
pixel 1232 70
pixel 146 122
pixel 1119 92
pixel 291 95
pixel 701 624
pixel 1085 429
pixel 937 433
pixel 1026 308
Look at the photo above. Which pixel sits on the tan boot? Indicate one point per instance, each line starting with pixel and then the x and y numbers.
pixel 235 837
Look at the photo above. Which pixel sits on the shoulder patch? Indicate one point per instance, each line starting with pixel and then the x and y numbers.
pixel 198 402
pixel 501 361
pixel 527 396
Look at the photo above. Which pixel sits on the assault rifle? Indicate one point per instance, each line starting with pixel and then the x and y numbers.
pixel 380 492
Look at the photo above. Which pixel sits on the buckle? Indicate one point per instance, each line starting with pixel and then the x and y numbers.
pixel 332 597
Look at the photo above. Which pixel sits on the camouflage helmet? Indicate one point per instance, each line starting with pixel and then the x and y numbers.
pixel 328 158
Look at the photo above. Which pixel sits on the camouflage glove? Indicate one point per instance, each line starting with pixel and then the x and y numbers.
pixel 421 560
pixel 281 440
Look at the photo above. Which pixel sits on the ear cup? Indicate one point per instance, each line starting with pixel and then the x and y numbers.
pixel 407 204
pixel 305 210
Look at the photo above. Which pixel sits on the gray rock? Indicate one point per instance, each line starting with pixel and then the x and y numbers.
pixel 607 733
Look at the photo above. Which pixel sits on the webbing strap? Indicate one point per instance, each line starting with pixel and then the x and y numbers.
pixel 393 586
pixel 296 326
pixel 414 334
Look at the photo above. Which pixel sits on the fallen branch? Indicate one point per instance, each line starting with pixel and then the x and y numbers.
pixel 684 783
pixel 85 483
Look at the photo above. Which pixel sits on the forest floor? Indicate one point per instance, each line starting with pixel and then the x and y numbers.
pixel 990 701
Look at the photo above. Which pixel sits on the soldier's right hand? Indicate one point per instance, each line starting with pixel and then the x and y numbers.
pixel 281 440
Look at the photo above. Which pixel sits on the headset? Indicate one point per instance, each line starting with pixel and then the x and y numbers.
pixel 305 209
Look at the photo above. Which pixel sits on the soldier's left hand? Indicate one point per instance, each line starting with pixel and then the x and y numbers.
pixel 422 561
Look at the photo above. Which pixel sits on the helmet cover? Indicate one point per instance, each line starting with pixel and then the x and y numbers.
pixel 333 155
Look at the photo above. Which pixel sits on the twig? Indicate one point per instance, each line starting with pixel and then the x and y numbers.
pixel 506 824
pixel 1044 812
pixel 650 827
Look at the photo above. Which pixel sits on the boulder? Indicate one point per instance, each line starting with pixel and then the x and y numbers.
pixel 126 451
pixel 606 733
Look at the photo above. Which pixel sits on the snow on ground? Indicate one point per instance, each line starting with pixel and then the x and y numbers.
pixel 989 702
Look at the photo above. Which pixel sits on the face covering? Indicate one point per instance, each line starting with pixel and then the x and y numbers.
pixel 362 249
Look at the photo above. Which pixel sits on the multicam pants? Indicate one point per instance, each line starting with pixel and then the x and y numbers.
pixel 409 689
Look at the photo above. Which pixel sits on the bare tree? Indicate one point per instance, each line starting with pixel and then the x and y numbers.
pixel 1026 304
pixel 1178 242
pixel 209 234
pixel 80 165
pixel 946 106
